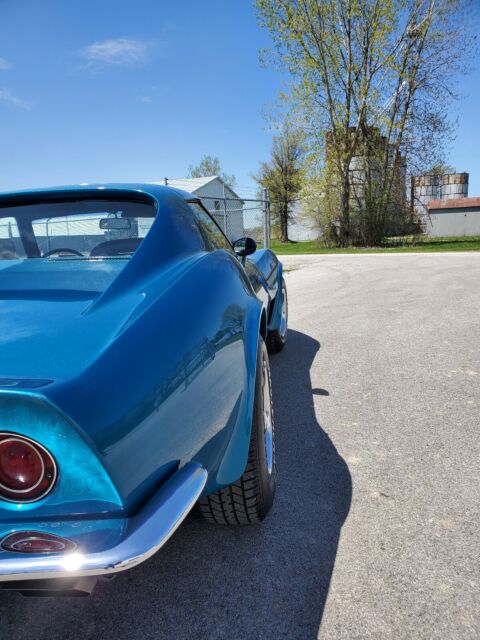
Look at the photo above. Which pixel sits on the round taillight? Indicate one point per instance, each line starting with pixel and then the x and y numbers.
pixel 27 470
pixel 36 542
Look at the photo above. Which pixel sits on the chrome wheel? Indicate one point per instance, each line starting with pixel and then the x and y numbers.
pixel 284 316
pixel 267 415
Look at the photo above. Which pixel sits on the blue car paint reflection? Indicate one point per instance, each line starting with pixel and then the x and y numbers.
pixel 128 370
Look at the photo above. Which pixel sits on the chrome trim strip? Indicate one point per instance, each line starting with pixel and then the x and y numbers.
pixel 146 533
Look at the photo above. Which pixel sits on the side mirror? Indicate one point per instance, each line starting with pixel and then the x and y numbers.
pixel 244 247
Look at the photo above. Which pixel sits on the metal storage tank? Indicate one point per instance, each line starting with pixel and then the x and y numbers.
pixel 430 187
pixel 362 166
pixel 425 189
pixel 357 179
pixel 454 186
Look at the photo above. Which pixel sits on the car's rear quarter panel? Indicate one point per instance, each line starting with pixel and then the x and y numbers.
pixel 174 385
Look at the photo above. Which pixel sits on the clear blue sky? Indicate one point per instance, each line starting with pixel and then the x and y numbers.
pixel 109 90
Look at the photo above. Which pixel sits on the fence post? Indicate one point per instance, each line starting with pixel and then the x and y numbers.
pixel 266 219
pixel 225 226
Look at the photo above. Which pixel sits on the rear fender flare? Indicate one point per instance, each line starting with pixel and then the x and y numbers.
pixel 236 453
pixel 276 315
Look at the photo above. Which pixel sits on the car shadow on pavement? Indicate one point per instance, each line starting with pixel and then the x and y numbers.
pixel 268 581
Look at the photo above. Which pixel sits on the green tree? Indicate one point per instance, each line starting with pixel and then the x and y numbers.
pixel 283 176
pixel 371 82
pixel 440 169
pixel 210 166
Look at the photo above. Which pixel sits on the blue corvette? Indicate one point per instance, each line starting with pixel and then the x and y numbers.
pixel 134 379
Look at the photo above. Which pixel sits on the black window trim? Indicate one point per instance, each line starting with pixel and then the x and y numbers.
pixel 202 206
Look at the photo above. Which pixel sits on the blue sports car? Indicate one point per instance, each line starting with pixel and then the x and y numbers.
pixel 134 379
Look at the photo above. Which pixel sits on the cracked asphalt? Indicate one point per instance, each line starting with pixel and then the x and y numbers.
pixel 375 528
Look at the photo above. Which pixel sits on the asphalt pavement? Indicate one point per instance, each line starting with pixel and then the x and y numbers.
pixel 375 530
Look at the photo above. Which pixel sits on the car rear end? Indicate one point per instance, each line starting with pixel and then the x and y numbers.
pixel 66 294
pixel 62 521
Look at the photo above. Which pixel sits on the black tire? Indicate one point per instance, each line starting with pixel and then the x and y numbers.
pixel 248 500
pixel 277 339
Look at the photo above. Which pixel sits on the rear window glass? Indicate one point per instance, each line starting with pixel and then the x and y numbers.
pixel 84 229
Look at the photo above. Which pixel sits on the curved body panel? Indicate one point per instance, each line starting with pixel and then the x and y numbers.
pixel 130 370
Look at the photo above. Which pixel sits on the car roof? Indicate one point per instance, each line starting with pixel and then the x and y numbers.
pixel 157 191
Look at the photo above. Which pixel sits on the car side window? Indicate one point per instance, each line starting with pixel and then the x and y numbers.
pixel 11 246
pixel 210 229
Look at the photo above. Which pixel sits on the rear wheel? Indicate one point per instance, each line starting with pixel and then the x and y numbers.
pixel 248 500
pixel 276 339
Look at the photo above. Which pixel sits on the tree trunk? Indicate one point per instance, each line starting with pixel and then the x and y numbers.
pixel 345 210
pixel 284 223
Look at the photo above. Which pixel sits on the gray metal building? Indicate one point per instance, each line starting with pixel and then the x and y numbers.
pixel 453 217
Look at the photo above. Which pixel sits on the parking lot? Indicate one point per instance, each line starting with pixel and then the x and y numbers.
pixel 374 532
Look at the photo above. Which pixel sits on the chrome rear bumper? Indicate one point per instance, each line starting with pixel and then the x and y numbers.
pixel 145 533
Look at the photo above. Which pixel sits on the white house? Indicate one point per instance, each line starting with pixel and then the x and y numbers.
pixel 222 202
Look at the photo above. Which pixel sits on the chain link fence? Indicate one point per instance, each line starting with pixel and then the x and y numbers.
pixel 239 217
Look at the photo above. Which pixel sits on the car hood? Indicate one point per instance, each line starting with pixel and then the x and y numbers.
pixel 50 325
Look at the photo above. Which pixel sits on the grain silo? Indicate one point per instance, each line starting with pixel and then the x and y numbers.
pixel 424 189
pixel 454 186
pixel 429 187
pixel 366 169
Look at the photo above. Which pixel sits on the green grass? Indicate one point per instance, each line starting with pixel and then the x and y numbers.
pixel 394 245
